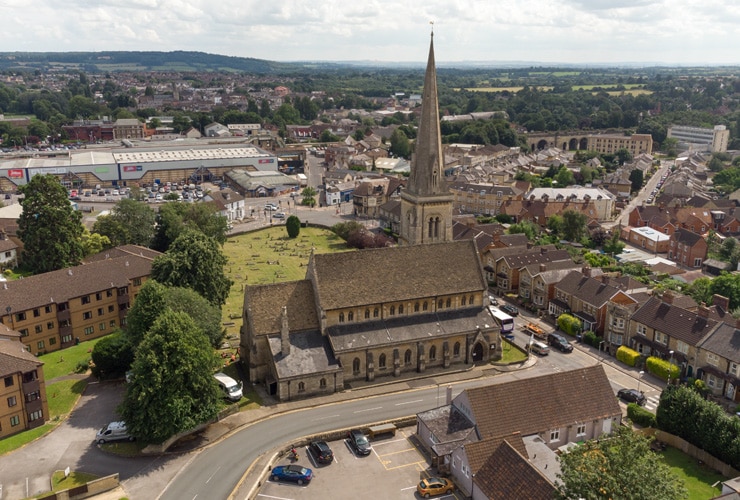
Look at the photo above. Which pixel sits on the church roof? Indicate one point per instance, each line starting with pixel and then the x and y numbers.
pixel 263 304
pixel 383 275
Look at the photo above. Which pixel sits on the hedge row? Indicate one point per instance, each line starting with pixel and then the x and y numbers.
pixel 627 356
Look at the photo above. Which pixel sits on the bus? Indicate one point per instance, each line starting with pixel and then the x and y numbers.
pixel 505 322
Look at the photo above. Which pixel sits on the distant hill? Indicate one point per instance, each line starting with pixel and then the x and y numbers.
pixel 102 62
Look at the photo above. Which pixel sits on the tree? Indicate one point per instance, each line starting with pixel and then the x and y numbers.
pixel 293 226
pixel 50 229
pixel 525 227
pixel 574 225
pixel 400 145
pixel 174 218
pixel 613 246
pixel 308 195
pixel 173 388
pixel 565 177
pixel 149 305
pixel 130 223
pixel 206 315
pixel 636 178
pixel 619 467
pixel 194 261
pixel 727 285
pixel 93 243
pixel 112 356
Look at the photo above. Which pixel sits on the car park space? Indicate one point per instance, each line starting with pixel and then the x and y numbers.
pixel 392 469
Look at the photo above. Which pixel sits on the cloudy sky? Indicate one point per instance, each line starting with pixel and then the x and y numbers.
pixel 675 32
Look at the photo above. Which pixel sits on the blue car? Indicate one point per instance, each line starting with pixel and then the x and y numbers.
pixel 295 473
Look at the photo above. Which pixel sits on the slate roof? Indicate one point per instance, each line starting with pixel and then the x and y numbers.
pixel 508 474
pixel 14 358
pixel 686 237
pixel 589 290
pixel 310 354
pixel 374 276
pixel 402 329
pixel 450 427
pixel 263 305
pixel 538 404
pixel 536 256
pixel 723 341
pixel 60 286
pixel 679 323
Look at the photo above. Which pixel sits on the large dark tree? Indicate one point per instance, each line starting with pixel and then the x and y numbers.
pixel 173 388
pixel 149 304
pixel 50 229
pixel 130 222
pixel 194 261
pixel 174 218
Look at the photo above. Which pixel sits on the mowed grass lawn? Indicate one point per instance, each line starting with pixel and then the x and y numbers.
pixel 698 477
pixel 269 256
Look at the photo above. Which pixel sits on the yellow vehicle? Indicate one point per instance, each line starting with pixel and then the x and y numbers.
pixel 536 330
pixel 435 486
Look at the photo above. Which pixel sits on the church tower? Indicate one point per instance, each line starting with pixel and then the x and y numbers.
pixel 426 203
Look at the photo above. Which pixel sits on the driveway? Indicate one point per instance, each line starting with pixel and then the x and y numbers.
pixel 27 471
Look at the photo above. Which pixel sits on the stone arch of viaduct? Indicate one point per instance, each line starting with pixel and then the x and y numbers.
pixel 566 142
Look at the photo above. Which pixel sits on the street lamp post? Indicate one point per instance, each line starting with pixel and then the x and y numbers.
pixel 639 379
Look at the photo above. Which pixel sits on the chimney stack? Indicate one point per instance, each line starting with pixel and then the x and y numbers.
pixel 720 301
pixel 703 311
pixel 668 297
pixel 543 267
pixel 586 271
pixel 284 332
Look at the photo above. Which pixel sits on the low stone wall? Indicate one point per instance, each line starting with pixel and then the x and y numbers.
pixel 692 451
pixel 92 488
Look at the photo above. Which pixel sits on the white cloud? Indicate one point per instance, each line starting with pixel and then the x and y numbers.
pixel 549 31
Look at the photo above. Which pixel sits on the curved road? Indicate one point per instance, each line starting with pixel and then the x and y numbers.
pixel 216 471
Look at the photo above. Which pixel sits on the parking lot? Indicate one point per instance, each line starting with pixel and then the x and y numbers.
pixel 392 470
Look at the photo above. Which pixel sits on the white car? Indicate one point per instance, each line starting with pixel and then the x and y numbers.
pixel 279 215
pixel 271 207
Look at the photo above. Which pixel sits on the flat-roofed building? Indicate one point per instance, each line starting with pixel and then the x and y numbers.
pixel 714 139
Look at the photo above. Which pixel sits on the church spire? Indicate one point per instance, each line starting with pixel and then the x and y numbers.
pixel 426 203
pixel 427 162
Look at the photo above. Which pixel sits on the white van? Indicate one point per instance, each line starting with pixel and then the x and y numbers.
pixel 114 431
pixel 538 347
pixel 232 389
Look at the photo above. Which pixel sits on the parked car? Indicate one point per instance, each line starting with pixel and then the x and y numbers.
pixel 538 347
pixel 279 215
pixel 631 396
pixel 271 207
pixel 321 452
pixel 114 431
pixel 559 342
pixel 231 389
pixel 509 309
pixel 493 300
pixel 295 473
pixel 359 442
pixel 435 486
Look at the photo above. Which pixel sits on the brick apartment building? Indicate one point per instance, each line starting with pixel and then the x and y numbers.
pixel 54 310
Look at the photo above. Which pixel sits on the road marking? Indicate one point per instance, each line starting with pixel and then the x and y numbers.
pixel 409 402
pixel 211 476
pixel 325 418
pixel 369 409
